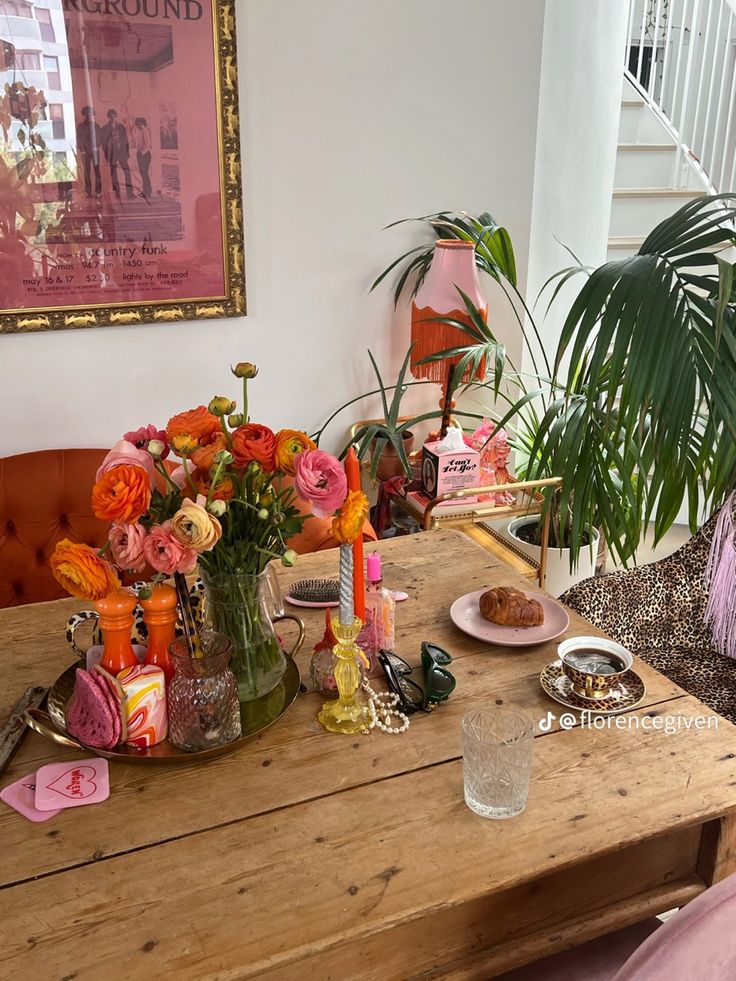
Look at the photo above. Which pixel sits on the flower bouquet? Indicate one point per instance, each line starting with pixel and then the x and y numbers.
pixel 229 507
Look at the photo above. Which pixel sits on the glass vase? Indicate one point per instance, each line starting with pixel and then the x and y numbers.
pixel 202 698
pixel 244 608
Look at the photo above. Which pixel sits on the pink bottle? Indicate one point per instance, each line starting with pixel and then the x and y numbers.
pixel 453 265
pixel 380 613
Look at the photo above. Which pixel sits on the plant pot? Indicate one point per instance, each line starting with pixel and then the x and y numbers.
pixel 559 577
pixel 389 463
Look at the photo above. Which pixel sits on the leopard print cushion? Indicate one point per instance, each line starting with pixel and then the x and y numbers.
pixel 657 612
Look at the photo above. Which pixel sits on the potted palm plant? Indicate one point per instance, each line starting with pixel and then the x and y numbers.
pixel 637 412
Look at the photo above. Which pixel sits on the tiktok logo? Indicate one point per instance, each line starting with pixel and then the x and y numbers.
pixel 545 725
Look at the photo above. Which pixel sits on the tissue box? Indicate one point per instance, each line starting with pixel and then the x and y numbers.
pixel 144 704
pixel 445 470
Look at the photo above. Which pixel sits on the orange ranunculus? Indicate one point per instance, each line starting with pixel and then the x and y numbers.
pixel 254 443
pixel 348 522
pixel 121 494
pixel 289 442
pixel 203 457
pixel 81 572
pixel 198 423
pixel 224 491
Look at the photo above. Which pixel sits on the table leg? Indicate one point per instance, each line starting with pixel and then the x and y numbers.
pixel 717 856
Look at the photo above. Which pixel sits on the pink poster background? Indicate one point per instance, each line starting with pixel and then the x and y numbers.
pixel 139 220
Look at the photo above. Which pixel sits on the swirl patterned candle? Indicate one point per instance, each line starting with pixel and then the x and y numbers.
pixel 144 704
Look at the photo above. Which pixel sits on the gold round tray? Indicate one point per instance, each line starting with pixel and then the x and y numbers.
pixel 255 716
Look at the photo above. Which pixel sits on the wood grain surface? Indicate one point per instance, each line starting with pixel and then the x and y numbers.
pixel 320 856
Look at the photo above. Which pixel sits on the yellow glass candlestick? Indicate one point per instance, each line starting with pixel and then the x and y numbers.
pixel 350 712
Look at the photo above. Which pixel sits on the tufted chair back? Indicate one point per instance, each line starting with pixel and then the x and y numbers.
pixel 44 497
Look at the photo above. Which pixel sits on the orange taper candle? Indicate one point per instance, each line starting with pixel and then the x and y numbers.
pixel 352 472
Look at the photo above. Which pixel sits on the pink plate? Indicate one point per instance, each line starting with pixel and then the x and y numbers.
pixel 465 614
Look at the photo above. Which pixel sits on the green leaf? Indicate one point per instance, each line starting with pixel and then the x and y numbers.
pixel 725 287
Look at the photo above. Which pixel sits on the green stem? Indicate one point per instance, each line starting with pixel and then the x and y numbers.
pixel 215 479
pixel 158 465
pixel 226 431
pixel 189 477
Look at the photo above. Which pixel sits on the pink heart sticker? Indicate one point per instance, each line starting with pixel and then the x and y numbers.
pixel 72 784
pixel 76 783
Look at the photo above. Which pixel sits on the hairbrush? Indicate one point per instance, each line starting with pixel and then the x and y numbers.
pixel 314 592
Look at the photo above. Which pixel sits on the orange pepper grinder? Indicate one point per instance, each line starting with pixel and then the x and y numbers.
pixel 116 622
pixel 159 615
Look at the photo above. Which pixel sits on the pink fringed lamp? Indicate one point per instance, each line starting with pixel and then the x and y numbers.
pixel 453 266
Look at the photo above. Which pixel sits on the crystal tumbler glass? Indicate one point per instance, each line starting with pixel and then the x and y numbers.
pixel 204 711
pixel 497 759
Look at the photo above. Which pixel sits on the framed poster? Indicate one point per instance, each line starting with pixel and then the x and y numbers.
pixel 120 176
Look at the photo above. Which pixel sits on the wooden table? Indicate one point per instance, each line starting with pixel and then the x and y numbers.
pixel 307 855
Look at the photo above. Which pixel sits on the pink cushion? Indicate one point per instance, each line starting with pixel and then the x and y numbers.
pixel 597 960
pixel 696 944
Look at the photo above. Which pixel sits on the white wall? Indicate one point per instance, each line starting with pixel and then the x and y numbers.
pixel 354 113
pixel 579 106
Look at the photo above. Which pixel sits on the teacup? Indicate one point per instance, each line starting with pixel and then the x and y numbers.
pixel 594 665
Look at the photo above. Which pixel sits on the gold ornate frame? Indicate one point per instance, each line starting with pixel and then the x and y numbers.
pixel 233 304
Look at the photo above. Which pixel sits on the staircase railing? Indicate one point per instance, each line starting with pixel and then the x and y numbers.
pixel 681 57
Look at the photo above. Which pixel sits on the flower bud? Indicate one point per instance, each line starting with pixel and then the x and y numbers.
pixel 244 369
pixel 254 468
pixel 156 448
pixel 221 406
pixel 266 500
pixel 289 557
pixel 217 507
pixel 279 518
pixel 235 420
pixel 223 456
pixel 263 514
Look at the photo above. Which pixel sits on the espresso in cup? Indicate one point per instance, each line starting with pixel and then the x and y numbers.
pixel 593 665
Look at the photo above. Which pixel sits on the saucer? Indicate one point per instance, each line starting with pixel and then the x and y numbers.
pixel 628 693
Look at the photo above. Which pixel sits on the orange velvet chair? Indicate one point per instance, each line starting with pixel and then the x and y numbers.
pixel 45 496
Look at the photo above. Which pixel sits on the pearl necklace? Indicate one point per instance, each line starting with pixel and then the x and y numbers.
pixel 386 703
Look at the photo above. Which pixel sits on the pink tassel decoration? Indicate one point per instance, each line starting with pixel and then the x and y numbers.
pixel 720 578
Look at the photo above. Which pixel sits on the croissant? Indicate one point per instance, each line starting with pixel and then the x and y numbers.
pixel 509 607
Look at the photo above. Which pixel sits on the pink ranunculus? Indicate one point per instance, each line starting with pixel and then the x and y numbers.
pixel 143 436
pixel 124 452
pixel 165 554
pixel 126 545
pixel 319 478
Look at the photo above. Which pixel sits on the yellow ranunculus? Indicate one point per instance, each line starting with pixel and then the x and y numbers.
pixel 194 527
pixel 348 522
pixel 184 444
pixel 289 442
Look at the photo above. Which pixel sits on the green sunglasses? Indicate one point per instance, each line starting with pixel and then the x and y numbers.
pixel 440 683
